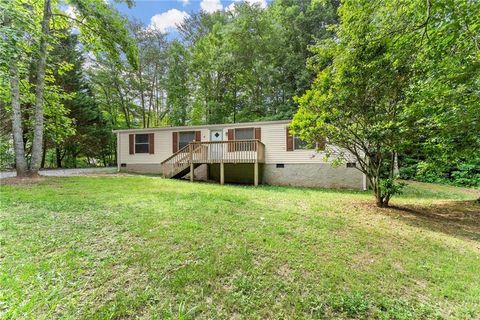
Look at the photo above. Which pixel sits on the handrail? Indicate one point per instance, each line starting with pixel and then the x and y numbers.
pixel 202 152
pixel 235 151
pixel 175 154
pixel 225 141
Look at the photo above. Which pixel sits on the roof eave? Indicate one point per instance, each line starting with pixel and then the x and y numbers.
pixel 205 126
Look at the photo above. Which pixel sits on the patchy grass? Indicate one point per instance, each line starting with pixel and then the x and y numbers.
pixel 144 247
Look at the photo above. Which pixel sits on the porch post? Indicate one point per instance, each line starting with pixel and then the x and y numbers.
pixel 222 173
pixel 255 173
pixel 191 162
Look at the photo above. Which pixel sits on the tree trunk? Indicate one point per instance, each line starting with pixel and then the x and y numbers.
pixel 58 157
pixel 37 144
pixel 142 96
pixel 378 194
pixel 396 169
pixel 17 128
pixel 377 190
pixel 44 153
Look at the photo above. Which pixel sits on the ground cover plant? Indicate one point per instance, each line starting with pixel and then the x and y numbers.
pixel 119 246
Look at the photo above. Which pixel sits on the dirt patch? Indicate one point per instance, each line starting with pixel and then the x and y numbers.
pixel 22 181
pixel 457 218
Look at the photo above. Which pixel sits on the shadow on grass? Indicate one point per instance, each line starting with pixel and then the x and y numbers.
pixel 455 218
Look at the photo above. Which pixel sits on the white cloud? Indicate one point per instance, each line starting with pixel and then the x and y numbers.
pixel 184 2
pixel 168 20
pixel 211 5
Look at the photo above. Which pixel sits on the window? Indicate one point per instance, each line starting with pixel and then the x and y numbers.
pixel 141 143
pixel 351 165
pixel 280 165
pixel 299 144
pixel 244 134
pixel 185 137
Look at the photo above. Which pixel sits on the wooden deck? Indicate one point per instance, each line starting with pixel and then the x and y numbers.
pixel 196 153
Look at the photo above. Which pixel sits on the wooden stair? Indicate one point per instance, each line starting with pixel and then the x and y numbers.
pixel 196 153
pixel 179 164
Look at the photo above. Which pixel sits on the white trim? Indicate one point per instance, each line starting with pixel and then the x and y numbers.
pixel 206 126
pixel 118 152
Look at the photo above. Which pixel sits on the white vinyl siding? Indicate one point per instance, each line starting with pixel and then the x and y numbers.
pixel 273 136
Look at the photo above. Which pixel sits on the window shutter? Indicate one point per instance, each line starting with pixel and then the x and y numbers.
pixel 151 143
pixel 198 136
pixel 289 140
pixel 230 136
pixel 174 142
pixel 131 144
pixel 258 133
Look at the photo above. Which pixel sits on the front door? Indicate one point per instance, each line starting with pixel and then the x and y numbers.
pixel 216 149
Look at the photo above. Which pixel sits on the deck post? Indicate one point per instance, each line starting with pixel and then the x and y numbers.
pixel 191 162
pixel 255 173
pixel 222 173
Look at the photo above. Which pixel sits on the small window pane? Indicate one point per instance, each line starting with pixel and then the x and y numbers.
pixel 141 148
pixel 185 138
pixel 299 144
pixel 244 134
pixel 141 143
pixel 141 138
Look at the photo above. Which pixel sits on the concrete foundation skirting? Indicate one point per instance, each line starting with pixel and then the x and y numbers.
pixel 313 175
pixel 302 175
pixel 149 168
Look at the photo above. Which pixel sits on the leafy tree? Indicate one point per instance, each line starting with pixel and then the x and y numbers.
pixel 357 97
pixel 302 24
pixel 91 134
pixel 100 27
pixel 378 87
pixel 177 88
pixel 443 101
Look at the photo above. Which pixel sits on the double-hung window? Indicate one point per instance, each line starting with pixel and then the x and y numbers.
pixel 299 144
pixel 244 134
pixel 142 143
pixel 185 137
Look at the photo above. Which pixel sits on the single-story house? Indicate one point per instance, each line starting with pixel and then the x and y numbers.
pixel 255 152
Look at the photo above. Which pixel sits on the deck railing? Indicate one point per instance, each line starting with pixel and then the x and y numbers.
pixel 233 151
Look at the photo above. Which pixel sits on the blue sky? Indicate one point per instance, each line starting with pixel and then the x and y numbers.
pixel 165 14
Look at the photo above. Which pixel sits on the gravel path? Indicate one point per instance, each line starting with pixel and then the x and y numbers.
pixel 64 172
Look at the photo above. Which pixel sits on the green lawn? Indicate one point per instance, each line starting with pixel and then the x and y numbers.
pixel 143 247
